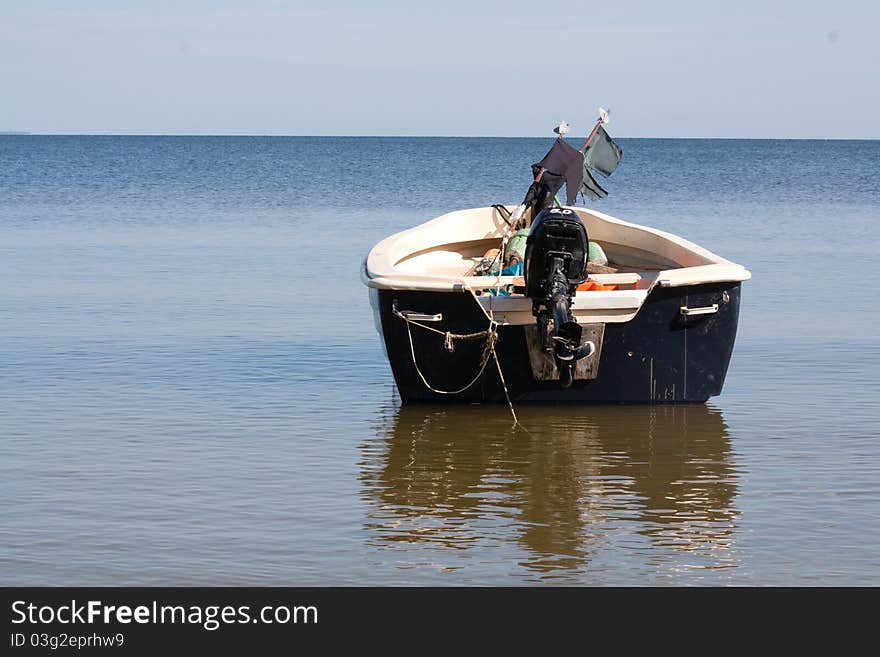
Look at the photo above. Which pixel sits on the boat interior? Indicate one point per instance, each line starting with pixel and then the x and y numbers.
pixel 440 255
pixel 626 265
pixel 425 257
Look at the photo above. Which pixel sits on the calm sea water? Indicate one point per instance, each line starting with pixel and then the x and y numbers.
pixel 192 391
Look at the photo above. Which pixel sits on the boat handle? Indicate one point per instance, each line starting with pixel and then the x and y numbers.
pixel 705 310
pixel 414 316
pixel 419 317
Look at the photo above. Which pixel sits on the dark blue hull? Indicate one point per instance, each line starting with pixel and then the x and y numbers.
pixel 660 356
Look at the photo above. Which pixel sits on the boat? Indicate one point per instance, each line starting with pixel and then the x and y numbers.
pixel 656 323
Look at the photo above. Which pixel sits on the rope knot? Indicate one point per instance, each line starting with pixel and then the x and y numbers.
pixel 489 348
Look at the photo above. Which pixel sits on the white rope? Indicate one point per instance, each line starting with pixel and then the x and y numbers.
pixel 491 334
pixel 491 317
pixel 448 337
pixel 492 337
pixel 507 394
pixel 412 352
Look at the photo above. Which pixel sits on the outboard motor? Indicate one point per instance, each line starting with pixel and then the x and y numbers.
pixel 555 264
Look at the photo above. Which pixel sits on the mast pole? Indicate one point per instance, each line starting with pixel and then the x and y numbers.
pixel 592 134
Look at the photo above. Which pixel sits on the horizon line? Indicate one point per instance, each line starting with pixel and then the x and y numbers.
pixel 21 133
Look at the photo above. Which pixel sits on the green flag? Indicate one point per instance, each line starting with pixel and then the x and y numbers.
pixel 603 154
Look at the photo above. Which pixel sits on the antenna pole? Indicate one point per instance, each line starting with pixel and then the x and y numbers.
pixel 603 118
pixel 591 135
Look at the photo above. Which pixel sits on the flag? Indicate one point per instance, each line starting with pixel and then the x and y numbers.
pixel 590 188
pixel 603 154
pixel 565 160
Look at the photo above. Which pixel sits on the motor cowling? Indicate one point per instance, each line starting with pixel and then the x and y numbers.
pixel 557 234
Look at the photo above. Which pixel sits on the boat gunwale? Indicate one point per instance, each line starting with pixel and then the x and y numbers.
pixel 380 265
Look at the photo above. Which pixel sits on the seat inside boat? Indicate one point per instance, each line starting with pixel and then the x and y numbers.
pixel 460 259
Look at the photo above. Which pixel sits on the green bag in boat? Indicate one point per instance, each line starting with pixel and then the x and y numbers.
pixel 517 243
pixel 597 255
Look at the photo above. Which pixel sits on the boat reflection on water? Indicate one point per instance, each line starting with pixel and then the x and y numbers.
pixel 631 486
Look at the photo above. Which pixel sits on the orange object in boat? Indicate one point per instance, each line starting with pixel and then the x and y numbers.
pixel 593 286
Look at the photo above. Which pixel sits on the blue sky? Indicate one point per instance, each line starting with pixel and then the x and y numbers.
pixel 676 69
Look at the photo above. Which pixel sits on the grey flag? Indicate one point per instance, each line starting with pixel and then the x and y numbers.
pixel 590 188
pixel 603 154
